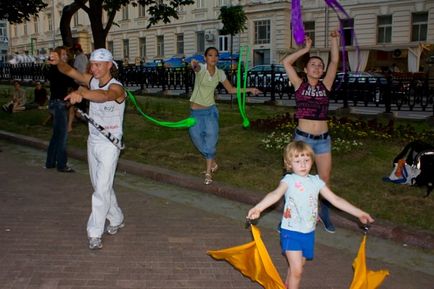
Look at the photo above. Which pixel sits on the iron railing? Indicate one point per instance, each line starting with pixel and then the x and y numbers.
pixel 398 92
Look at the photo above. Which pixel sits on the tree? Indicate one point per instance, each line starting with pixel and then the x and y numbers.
pixel 158 9
pixel 234 21
pixel 17 11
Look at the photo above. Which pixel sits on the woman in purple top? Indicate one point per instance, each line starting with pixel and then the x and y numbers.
pixel 312 102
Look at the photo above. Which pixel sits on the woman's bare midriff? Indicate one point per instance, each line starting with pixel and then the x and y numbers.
pixel 315 127
pixel 197 106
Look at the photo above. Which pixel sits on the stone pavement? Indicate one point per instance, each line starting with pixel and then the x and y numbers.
pixel 168 231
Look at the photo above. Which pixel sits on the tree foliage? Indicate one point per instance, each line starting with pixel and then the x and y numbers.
pixel 233 19
pixel 158 10
pixel 18 11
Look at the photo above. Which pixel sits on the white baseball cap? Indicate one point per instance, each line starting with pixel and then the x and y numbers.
pixel 102 54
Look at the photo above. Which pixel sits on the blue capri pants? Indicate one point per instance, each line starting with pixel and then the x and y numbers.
pixel 204 134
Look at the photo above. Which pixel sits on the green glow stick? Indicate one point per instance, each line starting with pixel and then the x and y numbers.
pixel 242 97
pixel 188 122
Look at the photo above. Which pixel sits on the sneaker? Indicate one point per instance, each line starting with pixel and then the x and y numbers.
pixel 95 243
pixel 66 170
pixel 328 225
pixel 111 230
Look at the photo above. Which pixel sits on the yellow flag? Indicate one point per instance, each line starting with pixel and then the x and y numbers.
pixel 252 260
pixel 364 278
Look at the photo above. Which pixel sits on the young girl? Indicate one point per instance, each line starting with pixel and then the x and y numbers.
pixel 312 100
pixel 297 231
pixel 205 133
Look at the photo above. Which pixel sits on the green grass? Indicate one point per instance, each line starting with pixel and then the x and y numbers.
pixel 243 160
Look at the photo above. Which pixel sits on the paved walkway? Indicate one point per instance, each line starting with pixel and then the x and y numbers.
pixel 168 231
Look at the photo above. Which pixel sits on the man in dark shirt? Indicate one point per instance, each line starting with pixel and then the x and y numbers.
pixel 41 95
pixel 60 85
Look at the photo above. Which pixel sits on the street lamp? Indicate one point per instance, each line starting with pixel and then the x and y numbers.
pixel 32 45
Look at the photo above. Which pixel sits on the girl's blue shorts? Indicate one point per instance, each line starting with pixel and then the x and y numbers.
pixel 296 241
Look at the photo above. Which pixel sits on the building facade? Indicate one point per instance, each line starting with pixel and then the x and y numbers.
pixel 399 32
pixel 4 41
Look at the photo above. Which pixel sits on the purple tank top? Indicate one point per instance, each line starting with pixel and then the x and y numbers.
pixel 312 102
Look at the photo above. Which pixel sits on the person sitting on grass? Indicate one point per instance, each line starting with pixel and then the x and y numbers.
pixel 18 102
pixel 41 97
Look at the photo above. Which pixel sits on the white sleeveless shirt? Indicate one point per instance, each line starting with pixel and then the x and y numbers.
pixel 109 114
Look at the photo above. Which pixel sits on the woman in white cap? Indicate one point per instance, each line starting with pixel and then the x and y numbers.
pixel 106 97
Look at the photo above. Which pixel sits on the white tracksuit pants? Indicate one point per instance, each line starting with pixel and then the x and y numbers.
pixel 102 158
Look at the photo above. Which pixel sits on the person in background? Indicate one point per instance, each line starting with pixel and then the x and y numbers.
pixel 312 104
pixel 300 190
pixel 18 102
pixel 204 134
pixel 60 85
pixel 41 95
pixel 81 63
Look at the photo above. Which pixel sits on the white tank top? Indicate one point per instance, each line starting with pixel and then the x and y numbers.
pixel 109 114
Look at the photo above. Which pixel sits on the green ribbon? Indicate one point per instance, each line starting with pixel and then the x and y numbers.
pixel 185 123
pixel 241 96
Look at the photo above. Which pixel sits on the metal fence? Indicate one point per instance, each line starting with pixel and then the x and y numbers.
pixel 397 92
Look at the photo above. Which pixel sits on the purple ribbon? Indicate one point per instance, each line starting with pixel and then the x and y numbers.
pixel 334 4
pixel 297 22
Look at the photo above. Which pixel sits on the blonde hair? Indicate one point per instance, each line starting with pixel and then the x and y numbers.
pixel 294 149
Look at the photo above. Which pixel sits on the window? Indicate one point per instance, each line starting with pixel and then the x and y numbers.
pixel 224 41
pixel 200 41
pixel 124 12
pixel 142 47
pixel 262 32
pixel 110 46
pixel 126 47
pixel 200 3
pixel 348 26
pixel 309 30
pixel 384 34
pixel 419 26
pixel 49 22
pixel 35 25
pixel 3 37
pixel 142 10
pixel 180 43
pixel 225 2
pixel 160 45
pixel 25 27
pixel 75 19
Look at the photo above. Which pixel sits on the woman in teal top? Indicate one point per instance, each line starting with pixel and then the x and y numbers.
pixel 204 134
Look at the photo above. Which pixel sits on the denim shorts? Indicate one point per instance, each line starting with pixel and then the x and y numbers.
pixel 296 241
pixel 204 134
pixel 319 146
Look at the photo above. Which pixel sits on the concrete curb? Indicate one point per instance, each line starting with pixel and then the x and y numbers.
pixel 382 229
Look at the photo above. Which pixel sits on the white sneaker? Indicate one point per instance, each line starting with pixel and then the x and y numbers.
pixel 95 243
pixel 111 230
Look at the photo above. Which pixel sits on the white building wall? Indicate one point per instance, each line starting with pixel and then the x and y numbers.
pixel 193 19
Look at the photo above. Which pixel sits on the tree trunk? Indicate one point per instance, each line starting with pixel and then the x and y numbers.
pixel 98 31
pixel 65 20
pixel 65 23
